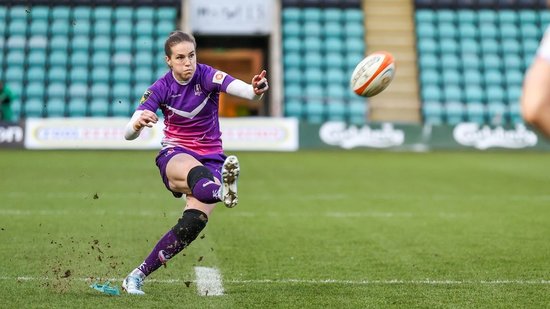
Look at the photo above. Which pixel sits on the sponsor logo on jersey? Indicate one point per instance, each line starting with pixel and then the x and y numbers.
pixel 145 96
pixel 198 89
pixel 218 78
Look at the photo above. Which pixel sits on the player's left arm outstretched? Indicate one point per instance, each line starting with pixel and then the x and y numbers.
pixel 253 91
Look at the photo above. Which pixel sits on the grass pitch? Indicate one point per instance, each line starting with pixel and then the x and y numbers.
pixel 312 229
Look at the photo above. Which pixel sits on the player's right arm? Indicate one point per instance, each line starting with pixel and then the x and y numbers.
pixel 140 119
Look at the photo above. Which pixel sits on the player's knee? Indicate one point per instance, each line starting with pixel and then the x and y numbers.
pixel 190 225
pixel 197 173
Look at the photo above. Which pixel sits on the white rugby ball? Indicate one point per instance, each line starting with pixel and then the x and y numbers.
pixel 373 74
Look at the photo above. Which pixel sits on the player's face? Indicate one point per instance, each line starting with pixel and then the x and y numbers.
pixel 183 60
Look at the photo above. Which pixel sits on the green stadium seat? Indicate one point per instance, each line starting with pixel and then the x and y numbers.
pixel 450 61
pixel 513 61
pixel 357 112
pixel 82 27
pixel 447 31
pixel 122 75
pixel 426 30
pixel 164 28
pixel 55 107
pixel 33 108
pixel 425 15
pixel 124 13
pixel 292 29
pixel 332 44
pixel 101 59
pixel 58 59
pixel 59 42
pixel 488 31
pixel 527 60
pixel 514 112
pixel 123 27
pixel 36 58
pixel 121 92
pixel 60 12
pixel 166 13
pixel 433 113
pixel 80 43
pixel 354 30
pixel 430 77
pixel 16 43
pixel 102 13
pixel 332 15
pixel 466 16
pixel 336 111
pixel 428 61
pixel 292 14
pixel 513 77
pixel 528 17
pixel 495 93
pixel 468 31
pixel 333 30
pixel 490 46
pixel 56 90
pixel 145 29
pixel 101 43
pixel 472 93
pixel 454 113
pixel 3 13
pixel 15 58
pixel 314 92
pixel 513 94
pixel 452 93
pixel 448 46
pixel 99 108
pixel 427 45
pixel 57 74
pixel 293 75
pixel 60 27
pixel 311 28
pixel 353 15
pixel 311 14
pixel 38 43
pixel 17 12
pixel 35 90
pixel 335 75
pixel 78 90
pixel 36 74
pixel 451 77
pixel 544 16
pixel 312 44
pixel 79 59
pixel 121 108
pixel 509 31
pixel 81 13
pixel 144 14
pixel 293 108
pixel 529 31
pixel 475 112
pixel 446 16
pixel 17 27
pixel 39 27
pixel 469 46
pixel 315 111
pixel 100 90
pixel 354 45
pixel 77 108
pixel 16 107
pixel 143 74
pixel 493 77
pixel 15 74
pixel 492 62
pixel 496 112
pixel 487 16
pixel 431 93
pixel 292 44
pixel 507 16
pixel 102 27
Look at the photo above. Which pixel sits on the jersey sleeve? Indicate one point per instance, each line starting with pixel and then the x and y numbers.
pixel 151 98
pixel 215 80
pixel 544 47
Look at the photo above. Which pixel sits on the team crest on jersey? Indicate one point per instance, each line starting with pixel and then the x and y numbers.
pixel 198 89
pixel 145 96
pixel 218 78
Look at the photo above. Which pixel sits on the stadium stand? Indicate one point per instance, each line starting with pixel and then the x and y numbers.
pixel 322 43
pixel 472 56
pixel 62 58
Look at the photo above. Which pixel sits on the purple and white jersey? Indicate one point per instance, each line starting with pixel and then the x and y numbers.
pixel 190 109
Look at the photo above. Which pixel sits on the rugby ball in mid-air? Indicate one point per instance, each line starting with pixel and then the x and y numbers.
pixel 373 74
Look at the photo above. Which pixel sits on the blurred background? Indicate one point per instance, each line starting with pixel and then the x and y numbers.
pixel 458 61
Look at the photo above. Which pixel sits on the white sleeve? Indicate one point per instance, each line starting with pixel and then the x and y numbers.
pixel 544 47
pixel 243 90
pixel 129 132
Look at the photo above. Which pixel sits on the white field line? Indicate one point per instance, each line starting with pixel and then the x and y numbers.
pixel 209 281
pixel 313 282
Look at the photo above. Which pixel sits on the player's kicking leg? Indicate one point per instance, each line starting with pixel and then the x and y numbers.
pixel 230 176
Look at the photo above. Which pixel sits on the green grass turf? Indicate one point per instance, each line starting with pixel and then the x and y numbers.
pixel 313 229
